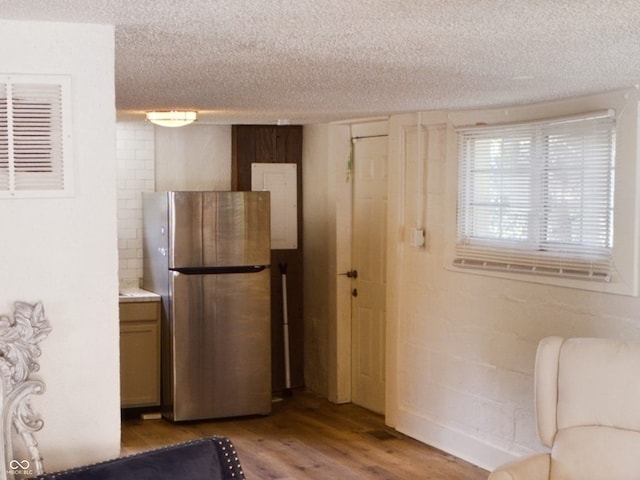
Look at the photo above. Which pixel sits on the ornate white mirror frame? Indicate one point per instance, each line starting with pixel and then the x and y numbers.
pixel 19 339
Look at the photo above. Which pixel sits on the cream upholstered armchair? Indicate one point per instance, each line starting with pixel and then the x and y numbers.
pixel 587 399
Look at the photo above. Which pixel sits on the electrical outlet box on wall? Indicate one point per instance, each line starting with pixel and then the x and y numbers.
pixel 417 237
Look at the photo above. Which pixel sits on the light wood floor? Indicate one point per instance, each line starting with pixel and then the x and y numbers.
pixel 307 437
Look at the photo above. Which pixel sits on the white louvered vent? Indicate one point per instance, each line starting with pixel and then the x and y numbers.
pixel 35 140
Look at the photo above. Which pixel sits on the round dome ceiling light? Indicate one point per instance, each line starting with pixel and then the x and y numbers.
pixel 172 118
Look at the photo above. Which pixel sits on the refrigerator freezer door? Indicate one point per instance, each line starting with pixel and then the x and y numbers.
pixel 221 358
pixel 213 229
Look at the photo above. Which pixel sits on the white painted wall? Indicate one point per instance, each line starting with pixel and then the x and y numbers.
pixel 63 252
pixel 461 346
pixel 317 261
pixel 327 251
pixel 195 157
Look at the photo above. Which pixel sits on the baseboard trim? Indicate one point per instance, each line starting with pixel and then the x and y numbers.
pixel 454 442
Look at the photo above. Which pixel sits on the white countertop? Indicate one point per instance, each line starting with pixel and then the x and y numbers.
pixel 131 295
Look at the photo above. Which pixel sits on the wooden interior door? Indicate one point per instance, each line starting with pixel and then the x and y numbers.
pixel 369 261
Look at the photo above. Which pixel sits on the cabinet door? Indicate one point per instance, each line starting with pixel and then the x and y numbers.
pixel 139 371
pixel 139 355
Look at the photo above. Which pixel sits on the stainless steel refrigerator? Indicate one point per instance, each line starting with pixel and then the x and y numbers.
pixel 207 254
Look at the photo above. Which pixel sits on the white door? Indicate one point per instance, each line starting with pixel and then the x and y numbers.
pixel 368 260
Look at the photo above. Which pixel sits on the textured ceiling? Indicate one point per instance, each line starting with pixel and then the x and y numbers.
pixel 309 61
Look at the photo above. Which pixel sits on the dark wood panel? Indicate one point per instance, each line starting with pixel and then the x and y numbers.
pixel 307 437
pixel 277 144
pixel 293 262
pixel 243 152
pixel 266 145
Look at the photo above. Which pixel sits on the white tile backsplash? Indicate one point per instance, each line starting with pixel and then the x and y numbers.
pixel 135 150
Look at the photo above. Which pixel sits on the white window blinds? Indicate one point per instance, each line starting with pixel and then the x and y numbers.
pixel 35 151
pixel 538 197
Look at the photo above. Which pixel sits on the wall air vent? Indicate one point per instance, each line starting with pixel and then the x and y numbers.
pixel 35 136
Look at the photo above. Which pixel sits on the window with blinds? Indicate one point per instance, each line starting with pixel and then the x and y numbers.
pixel 35 150
pixel 537 197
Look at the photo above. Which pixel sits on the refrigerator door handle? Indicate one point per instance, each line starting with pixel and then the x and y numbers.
pixel 220 270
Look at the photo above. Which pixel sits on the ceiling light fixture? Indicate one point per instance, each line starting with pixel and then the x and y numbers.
pixel 173 118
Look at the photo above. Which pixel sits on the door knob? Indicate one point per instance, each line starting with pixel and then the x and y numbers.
pixel 354 292
pixel 351 274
